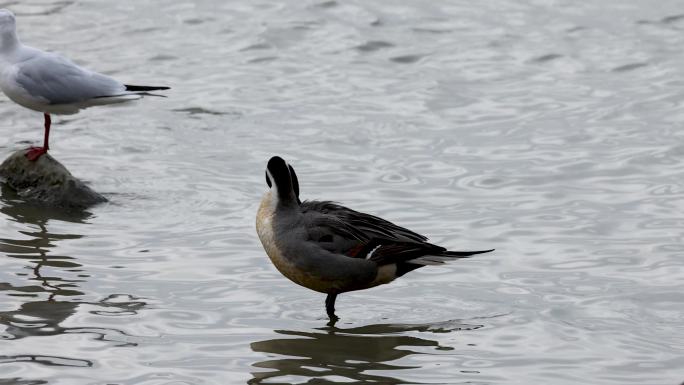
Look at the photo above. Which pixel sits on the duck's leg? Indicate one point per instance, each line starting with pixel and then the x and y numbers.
pixel 35 152
pixel 330 306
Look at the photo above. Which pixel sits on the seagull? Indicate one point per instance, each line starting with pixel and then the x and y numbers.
pixel 51 84
pixel 333 249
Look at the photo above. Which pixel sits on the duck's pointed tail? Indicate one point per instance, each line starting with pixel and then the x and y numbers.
pixel 463 254
pixel 445 256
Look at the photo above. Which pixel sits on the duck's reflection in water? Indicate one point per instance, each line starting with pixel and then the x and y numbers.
pixel 353 353
pixel 46 292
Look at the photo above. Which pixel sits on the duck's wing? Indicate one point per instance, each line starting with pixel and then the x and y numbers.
pixel 364 225
pixel 384 252
pixel 341 230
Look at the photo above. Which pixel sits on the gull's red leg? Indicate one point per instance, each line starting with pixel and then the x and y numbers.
pixel 48 122
pixel 35 152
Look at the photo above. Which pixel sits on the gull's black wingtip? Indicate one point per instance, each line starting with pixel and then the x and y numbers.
pixel 133 88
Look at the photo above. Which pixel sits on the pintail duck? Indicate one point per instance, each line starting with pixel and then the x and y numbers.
pixel 332 249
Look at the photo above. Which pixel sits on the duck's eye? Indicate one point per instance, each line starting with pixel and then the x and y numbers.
pixel 268 180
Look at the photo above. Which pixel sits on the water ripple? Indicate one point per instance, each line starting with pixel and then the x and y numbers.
pixel 551 134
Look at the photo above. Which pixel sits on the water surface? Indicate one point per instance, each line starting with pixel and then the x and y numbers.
pixel 549 130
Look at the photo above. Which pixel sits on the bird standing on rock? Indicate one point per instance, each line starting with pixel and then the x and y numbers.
pixel 332 249
pixel 51 84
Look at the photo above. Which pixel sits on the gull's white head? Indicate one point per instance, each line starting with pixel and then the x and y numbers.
pixel 8 28
pixel 7 19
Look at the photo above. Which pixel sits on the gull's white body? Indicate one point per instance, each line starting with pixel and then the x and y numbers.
pixel 47 82
pixel 51 84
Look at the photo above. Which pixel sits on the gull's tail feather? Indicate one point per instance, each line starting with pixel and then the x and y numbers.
pixel 133 88
pixel 109 99
pixel 143 93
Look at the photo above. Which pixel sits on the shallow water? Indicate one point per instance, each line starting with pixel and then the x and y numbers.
pixel 549 130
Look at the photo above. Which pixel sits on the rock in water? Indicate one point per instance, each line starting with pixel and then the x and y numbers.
pixel 46 181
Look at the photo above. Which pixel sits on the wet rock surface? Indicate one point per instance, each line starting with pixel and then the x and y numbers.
pixel 46 181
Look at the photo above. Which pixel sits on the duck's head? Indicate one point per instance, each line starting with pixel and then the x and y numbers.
pixel 282 180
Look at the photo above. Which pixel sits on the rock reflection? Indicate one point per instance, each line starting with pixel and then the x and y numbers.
pixel 23 212
pixel 353 353
pixel 50 292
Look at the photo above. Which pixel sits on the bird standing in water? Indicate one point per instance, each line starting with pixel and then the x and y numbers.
pixel 51 84
pixel 332 249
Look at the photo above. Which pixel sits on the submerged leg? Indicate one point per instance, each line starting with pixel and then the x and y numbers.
pixel 330 306
pixel 35 152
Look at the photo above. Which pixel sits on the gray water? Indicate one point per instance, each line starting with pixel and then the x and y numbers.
pixel 549 130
